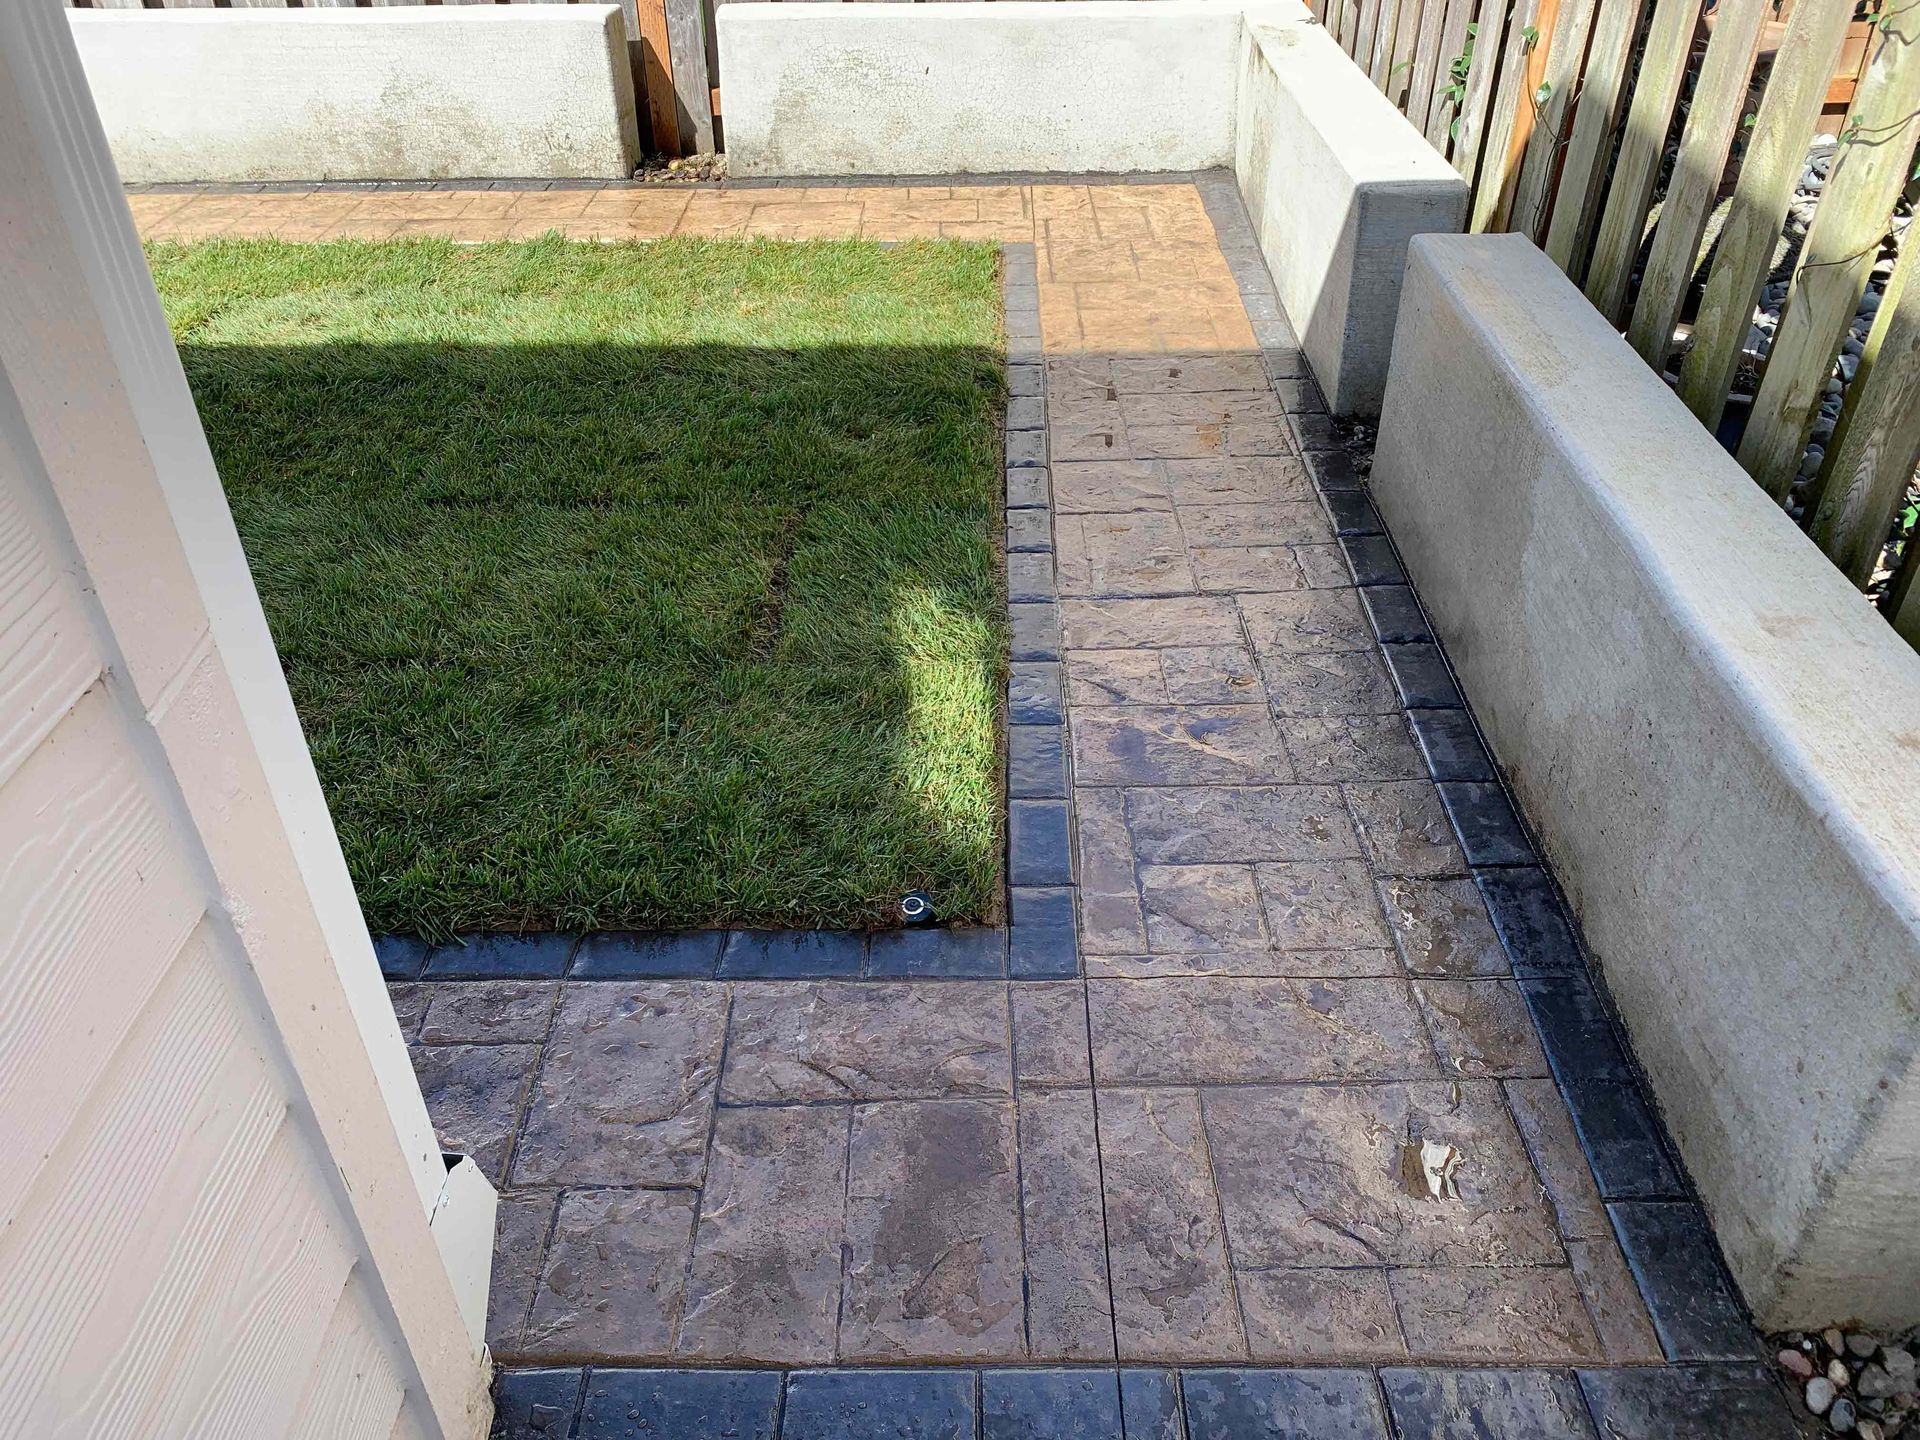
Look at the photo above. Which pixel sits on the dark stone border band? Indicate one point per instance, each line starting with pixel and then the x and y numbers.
pixel 1137 1403
pixel 1042 939
pixel 1663 1232
pixel 820 182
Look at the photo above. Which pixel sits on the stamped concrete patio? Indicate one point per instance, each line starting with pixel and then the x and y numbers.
pixel 1207 1149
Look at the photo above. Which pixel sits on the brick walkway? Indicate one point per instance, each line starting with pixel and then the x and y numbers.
pixel 1206 1150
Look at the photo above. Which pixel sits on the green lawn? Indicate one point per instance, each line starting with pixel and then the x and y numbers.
pixel 624 586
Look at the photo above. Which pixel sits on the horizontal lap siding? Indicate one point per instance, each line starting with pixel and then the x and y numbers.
pixel 172 1261
pixel 47 658
pixel 218 1172
pixel 96 907
pixel 353 1393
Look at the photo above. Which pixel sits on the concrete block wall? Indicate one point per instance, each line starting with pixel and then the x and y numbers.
pixel 1336 181
pixel 1717 741
pixel 1016 85
pixel 409 93
pixel 1335 178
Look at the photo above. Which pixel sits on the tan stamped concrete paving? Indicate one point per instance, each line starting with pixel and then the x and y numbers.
pixel 1200 1151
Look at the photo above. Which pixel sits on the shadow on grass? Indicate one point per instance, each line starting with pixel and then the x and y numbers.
pixel 615 635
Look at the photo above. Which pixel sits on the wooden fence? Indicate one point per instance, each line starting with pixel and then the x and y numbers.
pixel 1568 117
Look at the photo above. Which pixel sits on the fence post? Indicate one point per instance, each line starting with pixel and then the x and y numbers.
pixel 1868 173
pixel 650 29
pixel 687 47
pixel 1776 152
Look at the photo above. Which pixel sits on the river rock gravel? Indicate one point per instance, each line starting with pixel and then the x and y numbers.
pixel 1856 1382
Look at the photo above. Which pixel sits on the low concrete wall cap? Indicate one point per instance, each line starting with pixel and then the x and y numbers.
pixel 976 87
pixel 1336 180
pixel 1718 741
pixel 411 92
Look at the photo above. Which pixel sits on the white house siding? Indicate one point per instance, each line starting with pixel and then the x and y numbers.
pixel 173 1260
pixel 217 1181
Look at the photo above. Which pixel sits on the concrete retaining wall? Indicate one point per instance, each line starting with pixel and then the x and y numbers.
pixel 1717 741
pixel 1336 181
pixel 1335 178
pixel 969 88
pixel 408 93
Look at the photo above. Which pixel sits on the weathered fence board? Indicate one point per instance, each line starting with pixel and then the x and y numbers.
pixel 1469 126
pixel 1712 118
pixel 1877 444
pixel 1559 77
pixel 1649 116
pixel 1406 39
pixel 656 74
pixel 1349 26
pixel 1596 112
pixel 1455 37
pixel 1428 62
pixel 1512 108
pixel 1367 25
pixel 1776 152
pixel 692 86
pixel 1873 164
pixel 1385 27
